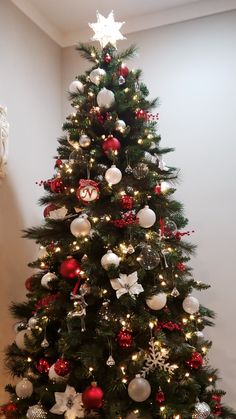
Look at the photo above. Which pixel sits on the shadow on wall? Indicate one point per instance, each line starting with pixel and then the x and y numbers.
pixel 15 253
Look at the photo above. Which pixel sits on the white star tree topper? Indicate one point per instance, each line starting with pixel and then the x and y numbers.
pixel 106 30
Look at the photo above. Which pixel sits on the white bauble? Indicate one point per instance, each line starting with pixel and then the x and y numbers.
pixel 139 389
pixel 190 304
pixel 165 186
pixel 24 388
pixel 120 125
pixel 199 334
pixel 80 226
pixel 105 98
pixel 55 377
pixel 76 86
pixel 20 338
pixel 109 259
pixel 84 141
pixel 97 75
pixel 146 217
pixel 33 322
pixel 47 279
pixel 113 175
pixel 157 301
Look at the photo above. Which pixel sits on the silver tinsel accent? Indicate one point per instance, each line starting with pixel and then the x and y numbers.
pixel 202 411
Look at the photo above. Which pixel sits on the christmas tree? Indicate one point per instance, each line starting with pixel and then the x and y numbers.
pixel 110 327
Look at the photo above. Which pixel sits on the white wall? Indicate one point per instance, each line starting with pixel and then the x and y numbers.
pixel 30 86
pixel 191 66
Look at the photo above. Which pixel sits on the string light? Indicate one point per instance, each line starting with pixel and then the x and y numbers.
pixel 187 374
pixel 134 357
pixel 184 321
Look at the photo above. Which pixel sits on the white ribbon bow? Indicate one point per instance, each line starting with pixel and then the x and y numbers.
pixel 127 284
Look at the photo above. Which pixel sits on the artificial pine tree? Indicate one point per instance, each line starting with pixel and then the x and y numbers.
pixel 110 327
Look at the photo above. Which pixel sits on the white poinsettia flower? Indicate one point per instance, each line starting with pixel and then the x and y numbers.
pixel 69 403
pixel 127 284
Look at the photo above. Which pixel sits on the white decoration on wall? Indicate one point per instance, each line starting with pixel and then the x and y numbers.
pixel 4 134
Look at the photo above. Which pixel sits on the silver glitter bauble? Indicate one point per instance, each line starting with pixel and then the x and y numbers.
pixel 202 411
pixel 33 322
pixel 140 171
pixel 149 258
pixel 120 125
pixel 36 412
pixel 84 141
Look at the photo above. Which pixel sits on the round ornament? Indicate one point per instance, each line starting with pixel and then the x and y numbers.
pixel 113 175
pixel 92 397
pixel 110 259
pixel 76 87
pixel 160 397
pixel 191 305
pixel 56 185
pixel 125 339
pixel 165 187
pixel 146 217
pixel 97 75
pixel 148 258
pixel 120 125
pixel 199 334
pixel 169 228
pixel 139 389
pixel 62 367
pixel 105 98
pixel 196 361
pixel 84 141
pixel 24 388
pixel 202 411
pixel 29 283
pixel 9 410
pixel 216 398
pixel 36 412
pixel 47 279
pixel 53 376
pixel 127 202
pixel 88 190
pixel 157 301
pixel 111 144
pixel 70 268
pixel 107 58
pixel 80 227
pixel 32 322
pixel 123 71
pixel 20 338
pixel 43 366
pixel 217 410
pixel 19 326
pixel 140 171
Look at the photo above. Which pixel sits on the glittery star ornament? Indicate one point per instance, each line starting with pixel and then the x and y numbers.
pixel 68 403
pixel 106 30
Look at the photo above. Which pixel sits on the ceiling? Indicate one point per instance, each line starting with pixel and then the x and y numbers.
pixel 66 21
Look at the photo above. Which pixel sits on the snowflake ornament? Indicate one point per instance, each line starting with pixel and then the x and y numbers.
pixel 69 403
pixel 157 359
pixel 127 284
pixel 106 30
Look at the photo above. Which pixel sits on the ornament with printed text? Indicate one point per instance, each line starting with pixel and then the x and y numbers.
pixel 190 305
pixel 56 185
pixel 43 366
pixel 140 171
pixel 196 361
pixel 62 367
pixel 21 338
pixel 111 145
pixel 120 126
pixel 47 279
pixel 125 339
pixel 105 98
pixel 146 217
pixel 127 202
pixel 97 75
pixel 201 411
pixel 123 71
pixel 88 190
pixel 157 301
pixel 139 389
pixel 80 226
pixel 148 258
pixel 110 259
pixel 92 397
pixel 24 388
pixel 76 87
pixel 70 268
pixel 113 175
pixel 36 412
pixel 84 141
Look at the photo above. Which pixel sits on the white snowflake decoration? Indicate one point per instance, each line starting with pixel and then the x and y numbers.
pixel 157 359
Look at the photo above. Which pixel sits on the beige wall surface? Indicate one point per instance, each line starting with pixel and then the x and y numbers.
pixel 30 87
pixel 191 67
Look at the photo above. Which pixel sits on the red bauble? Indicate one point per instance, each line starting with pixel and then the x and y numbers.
pixel 62 367
pixel 92 397
pixel 9 410
pixel 123 70
pixel 216 398
pixel 195 361
pixel 48 209
pixel 56 185
pixel 70 268
pixel 160 397
pixel 157 189
pixel 58 163
pixel 110 144
pixel 107 58
pixel 141 114
pixel 127 202
pixel 43 366
pixel 125 339
pixel 181 266
pixel 29 284
pixel 217 410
